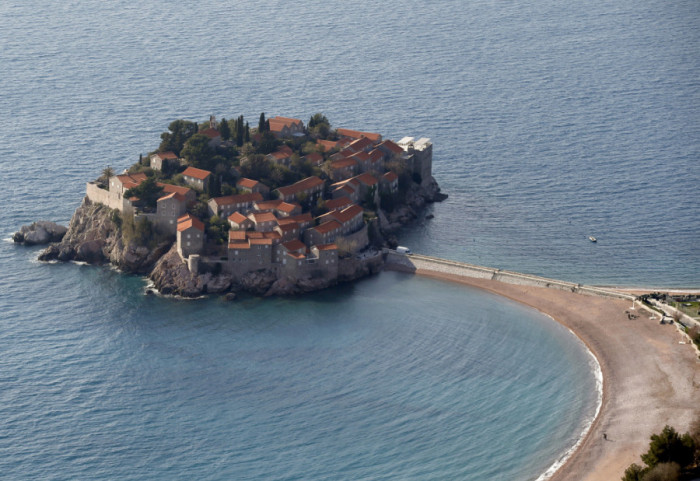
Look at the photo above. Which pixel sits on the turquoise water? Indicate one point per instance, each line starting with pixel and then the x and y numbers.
pixel 550 122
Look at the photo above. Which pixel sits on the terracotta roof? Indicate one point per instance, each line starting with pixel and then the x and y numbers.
pixel 272 235
pixel 174 188
pixel 279 155
pixel 239 245
pixel 302 185
pixel 286 149
pixel 327 247
pixel 132 180
pixel 391 146
pixel 278 123
pixel 259 217
pixel 288 207
pixel 196 173
pixel 376 155
pixel 173 195
pixel 343 163
pixel 301 218
pixel 211 133
pixel 237 217
pixel 166 155
pixel 294 245
pixel 360 144
pixel 237 199
pixel 261 242
pixel 356 134
pixel 247 183
pixel 366 178
pixel 315 158
pixel 390 176
pixel 187 221
pixel 327 144
pixel 361 156
pixel 326 227
pixel 339 203
pixel 347 214
pixel 288 226
pixel 237 235
pixel 268 204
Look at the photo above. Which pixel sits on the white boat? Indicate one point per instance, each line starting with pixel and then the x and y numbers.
pixel 592 239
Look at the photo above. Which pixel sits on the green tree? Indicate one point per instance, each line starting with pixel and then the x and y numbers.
pixel 147 191
pixel 247 133
pixel 240 131
pixel 319 126
pixel 634 473
pixel 224 129
pixel 197 152
pixel 669 447
pixel 261 123
pixel 268 143
pixel 180 132
pixel 107 172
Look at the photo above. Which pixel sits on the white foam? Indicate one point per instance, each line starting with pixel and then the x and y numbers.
pixel 598 373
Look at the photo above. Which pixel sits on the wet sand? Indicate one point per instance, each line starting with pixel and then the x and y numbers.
pixel 649 378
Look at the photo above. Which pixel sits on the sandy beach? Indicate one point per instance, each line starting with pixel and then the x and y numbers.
pixel 650 379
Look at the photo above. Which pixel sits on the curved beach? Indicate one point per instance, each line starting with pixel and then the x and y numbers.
pixel 650 379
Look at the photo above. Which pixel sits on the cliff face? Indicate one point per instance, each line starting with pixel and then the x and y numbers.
pixel 416 200
pixel 95 238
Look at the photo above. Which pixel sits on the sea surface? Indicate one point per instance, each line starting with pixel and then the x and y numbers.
pixel 551 121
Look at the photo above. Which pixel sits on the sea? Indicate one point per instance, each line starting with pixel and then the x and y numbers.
pixel 550 121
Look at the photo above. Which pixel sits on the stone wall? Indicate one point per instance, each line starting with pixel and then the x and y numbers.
pixel 113 200
pixel 414 262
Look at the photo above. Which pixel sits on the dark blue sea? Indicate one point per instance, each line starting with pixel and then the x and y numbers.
pixel 550 121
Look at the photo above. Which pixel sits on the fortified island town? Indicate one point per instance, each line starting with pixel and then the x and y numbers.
pixel 283 208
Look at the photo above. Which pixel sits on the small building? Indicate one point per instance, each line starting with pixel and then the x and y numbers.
pixel 350 218
pixel 286 127
pixel 122 183
pixel 310 188
pixel 238 221
pixel 288 230
pixel 342 169
pixel 280 157
pixel 161 160
pixel 294 248
pixel 323 233
pixel 213 135
pixel 263 221
pixel 314 158
pixel 227 205
pixel 197 178
pixel 251 186
pixel 190 236
pixel 189 194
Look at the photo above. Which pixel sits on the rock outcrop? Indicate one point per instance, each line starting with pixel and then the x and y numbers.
pixel 94 236
pixel 415 200
pixel 40 232
pixel 172 277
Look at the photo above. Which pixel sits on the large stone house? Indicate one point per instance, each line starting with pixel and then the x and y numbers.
pixel 310 188
pixel 190 236
pixel 286 127
pixel 161 160
pixel 227 205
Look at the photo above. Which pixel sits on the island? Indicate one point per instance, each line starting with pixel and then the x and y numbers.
pixel 278 209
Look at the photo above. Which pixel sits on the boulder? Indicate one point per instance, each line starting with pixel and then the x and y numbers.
pixel 40 232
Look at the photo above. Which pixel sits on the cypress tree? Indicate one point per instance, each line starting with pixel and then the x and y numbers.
pixel 261 123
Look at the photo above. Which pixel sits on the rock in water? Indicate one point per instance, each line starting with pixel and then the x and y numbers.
pixel 40 232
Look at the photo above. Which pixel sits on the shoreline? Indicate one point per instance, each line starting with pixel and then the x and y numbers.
pixel 644 369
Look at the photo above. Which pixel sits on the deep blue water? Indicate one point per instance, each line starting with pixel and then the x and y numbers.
pixel 550 122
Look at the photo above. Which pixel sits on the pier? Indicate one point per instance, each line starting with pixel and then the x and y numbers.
pixel 413 263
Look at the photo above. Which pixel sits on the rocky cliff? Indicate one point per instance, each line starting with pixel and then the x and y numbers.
pixel 94 236
pixel 415 200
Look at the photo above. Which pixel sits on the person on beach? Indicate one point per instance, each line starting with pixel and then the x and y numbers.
pixel 605 436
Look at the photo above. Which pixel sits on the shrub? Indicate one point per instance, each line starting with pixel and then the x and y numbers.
pixel 669 447
pixel 662 472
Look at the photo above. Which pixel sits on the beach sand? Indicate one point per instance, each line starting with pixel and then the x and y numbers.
pixel 649 378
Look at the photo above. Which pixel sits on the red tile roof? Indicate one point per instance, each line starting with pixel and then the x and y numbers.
pixel 315 158
pixel 366 178
pixel 327 227
pixel 361 144
pixel 390 176
pixel 247 183
pixel 237 217
pixel 327 247
pixel 174 188
pixel 237 235
pixel 356 134
pixel 237 199
pixel 376 155
pixel 278 123
pixel 259 217
pixel 343 163
pixel 339 203
pixel 279 155
pixel 196 173
pixel 211 133
pixel 187 221
pixel 361 156
pixel 347 214
pixel 391 146
pixel 301 186
pixel 327 144
pixel 173 195
pixel 294 245
pixel 288 226
pixel 166 155
pixel 239 245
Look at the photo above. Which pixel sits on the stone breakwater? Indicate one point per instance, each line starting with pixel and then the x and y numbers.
pixel 417 262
